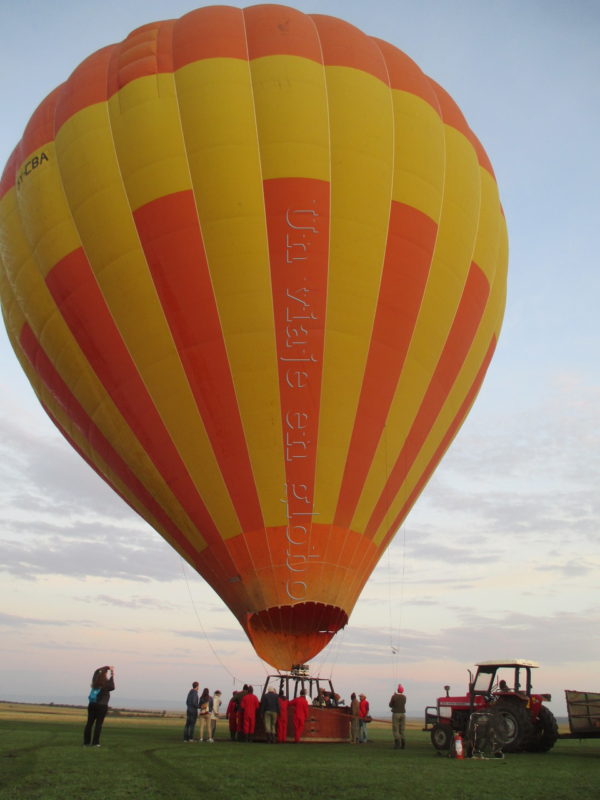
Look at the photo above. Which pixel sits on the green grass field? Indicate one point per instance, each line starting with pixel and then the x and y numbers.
pixel 41 756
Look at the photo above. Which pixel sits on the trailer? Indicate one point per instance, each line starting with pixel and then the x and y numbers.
pixel 584 715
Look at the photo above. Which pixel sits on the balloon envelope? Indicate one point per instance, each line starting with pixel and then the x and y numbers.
pixel 253 263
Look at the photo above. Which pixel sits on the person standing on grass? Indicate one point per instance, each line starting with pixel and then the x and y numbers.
pixel 101 687
pixel 214 716
pixel 191 714
pixel 205 705
pixel 282 717
pixel 363 713
pixel 269 708
pixel 398 706
pixel 240 713
pixel 231 715
pixel 355 714
pixel 249 705
pixel 300 706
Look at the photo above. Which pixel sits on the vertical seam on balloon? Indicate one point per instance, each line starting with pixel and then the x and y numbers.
pixel 475 294
pixel 63 90
pixel 216 306
pixel 325 339
pixel 173 79
pixel 393 120
pixel 118 49
pixel 201 533
pixel 360 565
pixel 319 427
pixel 265 531
pixel 111 64
pixel 184 140
pixel 429 278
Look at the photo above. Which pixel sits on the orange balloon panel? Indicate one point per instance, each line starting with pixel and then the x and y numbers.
pixel 253 263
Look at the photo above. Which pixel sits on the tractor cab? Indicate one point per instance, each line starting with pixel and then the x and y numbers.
pixel 502 678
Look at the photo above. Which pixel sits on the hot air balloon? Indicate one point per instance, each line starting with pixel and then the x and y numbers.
pixel 253 263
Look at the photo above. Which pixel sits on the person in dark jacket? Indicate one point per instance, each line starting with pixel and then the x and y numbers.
pixel 269 708
pixel 191 713
pixel 355 714
pixel 101 687
pixel 398 706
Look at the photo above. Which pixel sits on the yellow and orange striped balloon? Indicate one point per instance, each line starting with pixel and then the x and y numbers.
pixel 253 263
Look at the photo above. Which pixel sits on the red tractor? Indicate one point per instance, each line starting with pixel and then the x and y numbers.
pixel 503 690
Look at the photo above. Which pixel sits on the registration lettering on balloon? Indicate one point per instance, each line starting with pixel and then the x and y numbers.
pixel 29 166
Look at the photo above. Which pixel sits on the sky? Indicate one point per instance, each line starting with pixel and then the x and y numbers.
pixel 500 556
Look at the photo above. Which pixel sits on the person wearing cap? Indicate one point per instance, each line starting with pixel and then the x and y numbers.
pixel 363 718
pixel 398 706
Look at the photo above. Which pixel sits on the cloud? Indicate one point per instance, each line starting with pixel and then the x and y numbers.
pixel 575 568
pixel 59 518
pixel 553 639
pixel 215 634
pixel 135 602
pixel 18 622
pixel 99 551
pixel 40 472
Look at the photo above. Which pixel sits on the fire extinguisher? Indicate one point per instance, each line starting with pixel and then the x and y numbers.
pixel 459 751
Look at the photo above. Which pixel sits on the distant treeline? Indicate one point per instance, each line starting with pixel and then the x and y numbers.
pixel 116 712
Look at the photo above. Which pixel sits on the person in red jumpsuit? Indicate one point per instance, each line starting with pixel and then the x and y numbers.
pixel 300 706
pixel 282 719
pixel 249 705
pixel 239 723
pixel 231 715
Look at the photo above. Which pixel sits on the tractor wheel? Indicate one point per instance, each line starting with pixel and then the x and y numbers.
pixel 545 732
pixel 441 737
pixel 517 725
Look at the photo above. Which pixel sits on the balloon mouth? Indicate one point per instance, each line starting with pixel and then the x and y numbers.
pixel 287 635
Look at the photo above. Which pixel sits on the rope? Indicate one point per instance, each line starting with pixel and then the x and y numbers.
pixel 337 650
pixel 214 652
pixel 395 646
